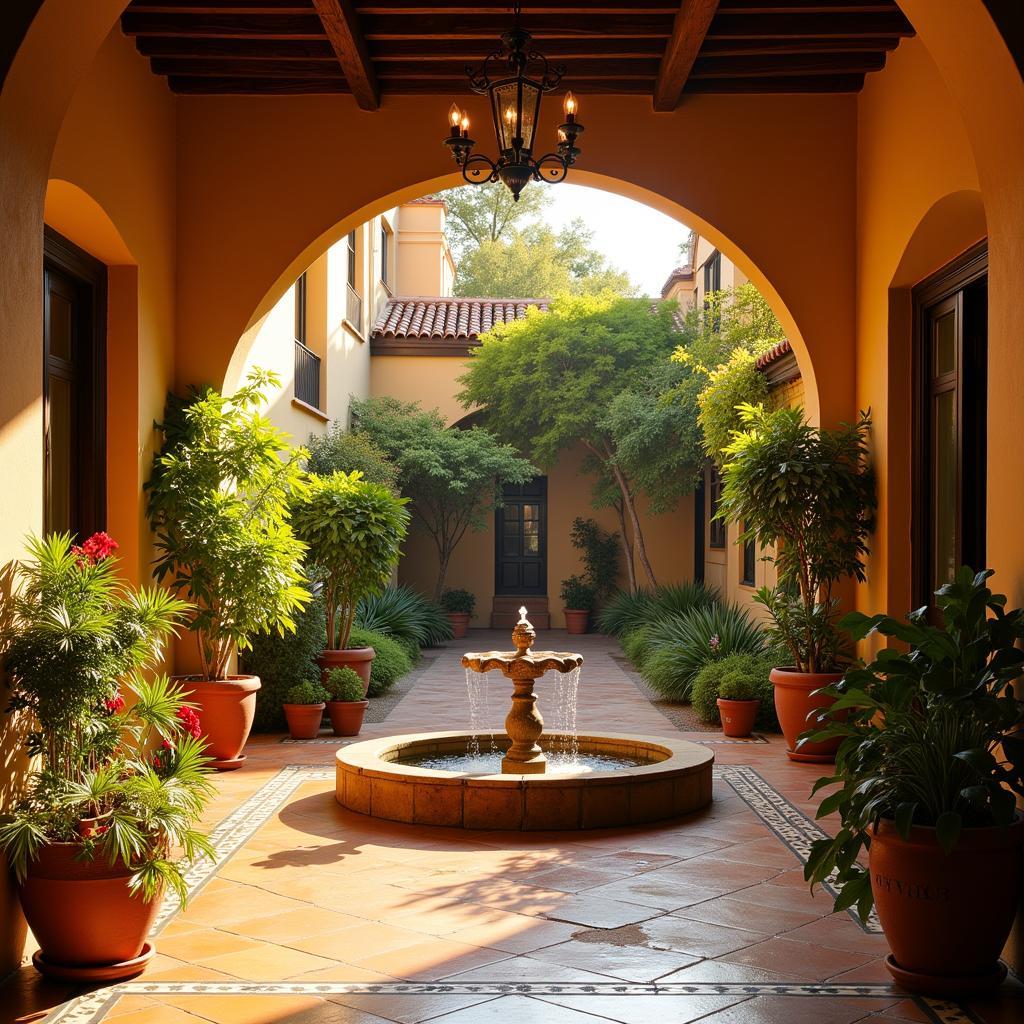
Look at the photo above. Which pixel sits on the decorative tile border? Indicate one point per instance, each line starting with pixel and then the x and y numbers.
pixel 942 1011
pixel 723 741
pixel 334 741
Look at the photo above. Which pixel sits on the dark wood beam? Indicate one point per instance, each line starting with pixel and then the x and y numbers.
pixel 752 47
pixel 341 23
pixel 789 84
pixel 795 64
pixel 800 26
pixel 272 86
pixel 223 26
pixel 692 21
pixel 247 49
pixel 484 24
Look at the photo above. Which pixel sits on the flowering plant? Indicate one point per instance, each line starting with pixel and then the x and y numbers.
pixel 77 644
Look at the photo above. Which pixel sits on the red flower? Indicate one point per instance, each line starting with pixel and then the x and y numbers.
pixel 114 704
pixel 167 745
pixel 99 546
pixel 190 722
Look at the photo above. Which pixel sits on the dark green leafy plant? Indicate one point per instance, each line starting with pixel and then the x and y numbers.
pixel 456 601
pixel 635 646
pixel 346 451
pixel 601 556
pixel 306 693
pixel 681 645
pixel 282 661
pixel 809 493
pixel 344 684
pixel 353 530
pixel 736 673
pixel 577 594
pixel 78 639
pixel 930 736
pixel 218 504
pixel 392 660
pixel 406 615
pixel 626 612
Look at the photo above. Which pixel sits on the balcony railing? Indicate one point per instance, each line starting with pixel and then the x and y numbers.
pixel 354 309
pixel 307 375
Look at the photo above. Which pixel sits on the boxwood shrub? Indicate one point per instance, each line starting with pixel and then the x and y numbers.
pixel 731 669
pixel 391 663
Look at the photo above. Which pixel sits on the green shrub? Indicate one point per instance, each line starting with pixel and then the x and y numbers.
pixel 634 646
pixel 626 612
pixel 344 684
pixel 681 645
pixel 458 601
pixel 306 693
pixel 408 616
pixel 344 451
pixel 736 673
pixel 283 661
pixel 680 598
pixel 578 595
pixel 391 663
pixel 600 552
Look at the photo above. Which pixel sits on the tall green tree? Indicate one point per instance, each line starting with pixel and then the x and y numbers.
pixel 478 214
pixel 587 372
pixel 455 478
pixel 535 262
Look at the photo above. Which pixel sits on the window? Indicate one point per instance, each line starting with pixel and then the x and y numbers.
pixel 749 564
pixel 385 255
pixel 713 274
pixel 307 362
pixel 716 527
pixel 351 259
pixel 300 309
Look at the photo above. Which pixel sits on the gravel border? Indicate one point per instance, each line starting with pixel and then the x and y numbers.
pixel 381 707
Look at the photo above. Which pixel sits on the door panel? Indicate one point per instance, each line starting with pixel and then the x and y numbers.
pixel 520 539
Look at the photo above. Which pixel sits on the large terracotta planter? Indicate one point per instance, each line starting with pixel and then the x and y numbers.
pixel 226 708
pixel 359 659
pixel 88 924
pixel 460 624
pixel 576 620
pixel 347 716
pixel 946 917
pixel 738 716
pixel 304 720
pixel 794 703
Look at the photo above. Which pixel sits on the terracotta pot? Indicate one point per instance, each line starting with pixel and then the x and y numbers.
pixel 226 708
pixel 737 716
pixel 794 704
pixel 90 828
pixel 946 917
pixel 359 659
pixel 304 720
pixel 347 716
pixel 460 624
pixel 83 913
pixel 576 620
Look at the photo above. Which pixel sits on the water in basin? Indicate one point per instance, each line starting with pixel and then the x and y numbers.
pixel 484 762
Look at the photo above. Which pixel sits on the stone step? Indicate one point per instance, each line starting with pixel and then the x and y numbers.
pixel 505 611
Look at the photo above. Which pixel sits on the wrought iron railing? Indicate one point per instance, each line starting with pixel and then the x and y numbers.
pixel 354 309
pixel 307 375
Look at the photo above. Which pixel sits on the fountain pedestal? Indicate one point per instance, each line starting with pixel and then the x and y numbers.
pixel 523 666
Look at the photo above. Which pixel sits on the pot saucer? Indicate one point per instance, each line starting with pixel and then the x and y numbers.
pixel 229 764
pixel 795 755
pixel 89 973
pixel 944 984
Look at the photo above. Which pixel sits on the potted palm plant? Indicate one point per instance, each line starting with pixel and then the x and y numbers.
pixel 458 605
pixel 929 769
pixel 579 598
pixel 117 785
pixel 353 530
pixel 218 504
pixel 346 704
pixel 808 493
pixel 304 706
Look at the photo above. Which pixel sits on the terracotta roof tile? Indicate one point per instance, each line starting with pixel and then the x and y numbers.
pixel 776 352
pixel 426 318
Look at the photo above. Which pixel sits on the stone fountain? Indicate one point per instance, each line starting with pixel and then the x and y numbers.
pixel 524 666
pixel 443 778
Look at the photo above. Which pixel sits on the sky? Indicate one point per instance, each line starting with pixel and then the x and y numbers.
pixel 634 237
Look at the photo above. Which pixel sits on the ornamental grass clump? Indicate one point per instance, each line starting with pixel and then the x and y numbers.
pixel 408 616
pixel 125 780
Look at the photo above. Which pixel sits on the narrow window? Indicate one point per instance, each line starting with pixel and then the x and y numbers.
pixel 351 259
pixel 307 362
pixel 717 527
pixel 385 256
pixel 300 309
pixel 749 561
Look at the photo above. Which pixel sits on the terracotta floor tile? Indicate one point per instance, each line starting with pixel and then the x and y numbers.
pixel 527 969
pixel 840 931
pixel 201 944
pixel 268 963
pixel 797 1010
pixel 627 963
pixel 411 1009
pixel 516 933
pixel 295 924
pixel 367 939
pixel 736 913
pixel 518 1010
pixel 798 959
pixel 630 862
pixel 635 1009
pixel 715 971
pixel 908 1010
pixel 698 938
pixel 246 1009
pixel 158 1013
pixel 596 912
pixel 652 889
pixel 573 879
pixel 429 961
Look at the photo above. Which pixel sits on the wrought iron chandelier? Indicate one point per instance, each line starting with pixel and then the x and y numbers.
pixel 515 77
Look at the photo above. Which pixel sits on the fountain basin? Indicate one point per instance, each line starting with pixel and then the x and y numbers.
pixel 669 778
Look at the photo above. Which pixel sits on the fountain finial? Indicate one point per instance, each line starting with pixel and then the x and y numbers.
pixel 523 634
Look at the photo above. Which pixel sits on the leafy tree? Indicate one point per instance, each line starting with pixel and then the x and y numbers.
pixel 344 451
pixel 552 380
pixel 535 261
pixel 455 477
pixel 478 214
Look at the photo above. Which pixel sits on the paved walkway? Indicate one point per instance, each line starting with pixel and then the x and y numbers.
pixel 320 916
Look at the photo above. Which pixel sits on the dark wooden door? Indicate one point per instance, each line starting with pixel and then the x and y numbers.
pixel 521 539
pixel 74 342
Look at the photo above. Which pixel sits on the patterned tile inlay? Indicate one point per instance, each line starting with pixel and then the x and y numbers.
pixel 942 1011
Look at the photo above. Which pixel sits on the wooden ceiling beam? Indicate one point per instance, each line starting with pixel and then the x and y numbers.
pixel 222 26
pixel 800 26
pixel 264 86
pixel 228 49
pixel 789 84
pixel 341 24
pixel 794 64
pixel 752 47
pixel 691 24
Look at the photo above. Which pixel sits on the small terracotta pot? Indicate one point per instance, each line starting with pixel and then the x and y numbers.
pixel 90 828
pixel 460 624
pixel 83 913
pixel 946 917
pixel 576 620
pixel 738 716
pixel 347 716
pixel 794 706
pixel 304 720
pixel 226 708
pixel 359 659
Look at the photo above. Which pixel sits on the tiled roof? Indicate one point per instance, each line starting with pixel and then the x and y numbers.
pixel 427 201
pixel 679 274
pixel 428 319
pixel 773 354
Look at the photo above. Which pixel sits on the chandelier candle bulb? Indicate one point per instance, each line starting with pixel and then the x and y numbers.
pixel 455 115
pixel 569 105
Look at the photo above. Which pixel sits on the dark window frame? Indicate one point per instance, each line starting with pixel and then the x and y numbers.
pixel 63 257
pixel 718 532
pixel 300 308
pixel 352 257
pixel 713 273
pixel 964 279
pixel 385 256
pixel 748 563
